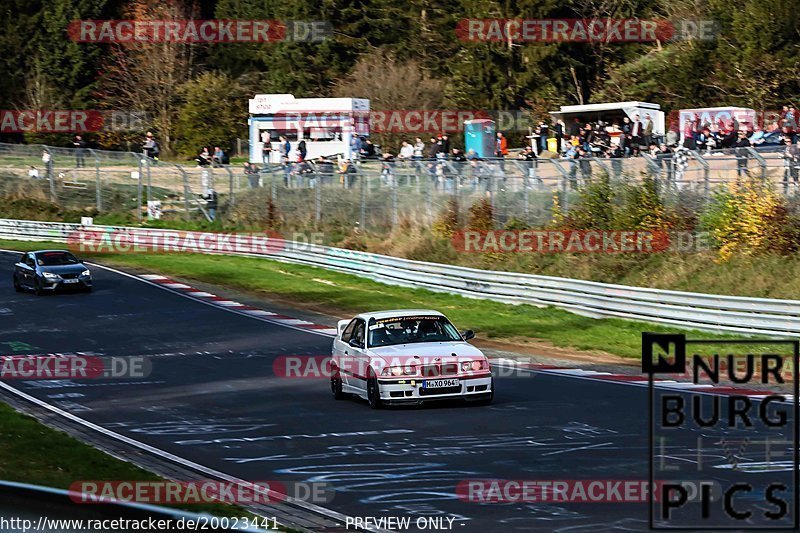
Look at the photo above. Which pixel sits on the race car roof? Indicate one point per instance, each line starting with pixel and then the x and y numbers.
pixel 378 315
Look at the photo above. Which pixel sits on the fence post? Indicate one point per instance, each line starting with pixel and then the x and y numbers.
pixel 706 173
pixel 231 192
pixel 139 193
pixel 97 196
pixel 318 201
pixel 185 177
pixel 363 215
pixel 393 179
pixel 149 183
pixel 761 161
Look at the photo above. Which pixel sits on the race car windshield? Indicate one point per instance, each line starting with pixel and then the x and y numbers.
pixel 56 259
pixel 407 330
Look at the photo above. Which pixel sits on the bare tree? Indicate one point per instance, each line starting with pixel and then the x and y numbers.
pixel 143 76
pixel 391 84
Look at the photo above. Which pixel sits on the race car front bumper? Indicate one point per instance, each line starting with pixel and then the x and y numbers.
pixel 416 390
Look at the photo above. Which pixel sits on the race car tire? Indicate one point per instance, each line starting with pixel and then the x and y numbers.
pixel 17 286
pixel 336 384
pixel 373 392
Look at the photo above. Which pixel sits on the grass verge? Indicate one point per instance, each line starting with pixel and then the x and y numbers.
pixel 26 456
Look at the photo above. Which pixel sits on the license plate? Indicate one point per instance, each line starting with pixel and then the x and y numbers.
pixel 71 281
pixel 440 383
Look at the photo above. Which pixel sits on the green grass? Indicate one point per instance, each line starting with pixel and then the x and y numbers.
pixel 31 452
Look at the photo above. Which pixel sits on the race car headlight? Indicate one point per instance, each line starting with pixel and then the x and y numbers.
pixel 398 371
pixel 480 365
pixel 86 273
pixel 50 275
pixel 466 366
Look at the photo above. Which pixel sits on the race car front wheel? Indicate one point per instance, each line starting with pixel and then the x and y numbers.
pixel 373 392
pixel 336 384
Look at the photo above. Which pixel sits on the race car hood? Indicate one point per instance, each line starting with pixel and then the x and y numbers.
pixel 427 352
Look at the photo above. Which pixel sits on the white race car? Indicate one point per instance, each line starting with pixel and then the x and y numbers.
pixel 407 356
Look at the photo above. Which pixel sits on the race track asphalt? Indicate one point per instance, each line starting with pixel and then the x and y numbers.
pixel 213 398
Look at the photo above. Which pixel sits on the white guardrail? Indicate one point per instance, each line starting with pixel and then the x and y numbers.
pixel 685 309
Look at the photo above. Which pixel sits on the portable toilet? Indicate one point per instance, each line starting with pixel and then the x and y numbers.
pixel 479 136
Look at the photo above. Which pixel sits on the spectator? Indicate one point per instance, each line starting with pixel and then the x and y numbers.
pixel 458 155
pixel 544 133
pixel 433 149
pixel 266 150
pixel 757 138
pixel 368 149
pixel 625 138
pixel 47 159
pixel 501 146
pixel 325 169
pixel 33 173
pixel 445 144
pixel 251 172
pixel 648 129
pixel 301 149
pixel 559 130
pixel 406 151
pixel 80 146
pixel 440 153
pixel 150 146
pixel 211 199
pixel 672 138
pixel 204 157
pixel 636 135
pixel 419 149
pixel 387 169
pixel 219 157
pixel 742 154
pixel 347 173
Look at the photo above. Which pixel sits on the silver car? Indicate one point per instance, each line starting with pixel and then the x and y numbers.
pixel 46 271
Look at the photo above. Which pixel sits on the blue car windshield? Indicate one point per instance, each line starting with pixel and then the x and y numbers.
pixel 411 329
pixel 56 259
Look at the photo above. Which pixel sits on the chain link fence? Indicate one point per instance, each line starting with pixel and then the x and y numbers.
pixel 374 195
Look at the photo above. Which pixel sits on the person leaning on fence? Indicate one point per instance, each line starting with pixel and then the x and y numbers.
pixel 150 146
pixel 211 199
pixel 80 147
pixel 791 162
pixel 47 159
pixel 251 172
pixel 742 154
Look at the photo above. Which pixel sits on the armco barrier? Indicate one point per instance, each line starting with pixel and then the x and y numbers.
pixel 684 309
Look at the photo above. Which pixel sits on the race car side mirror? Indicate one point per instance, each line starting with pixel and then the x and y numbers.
pixel 467 335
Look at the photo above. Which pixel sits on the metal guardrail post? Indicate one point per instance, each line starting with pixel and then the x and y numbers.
pixel 761 161
pixel 185 178
pixel 564 183
pixel 149 183
pixel 318 200
pixel 393 185
pixel 363 217
pixel 231 191
pixel 706 173
pixel 97 195
pixel 139 192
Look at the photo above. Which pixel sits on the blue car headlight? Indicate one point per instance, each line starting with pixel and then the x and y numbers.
pixel 86 273
pixel 50 276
